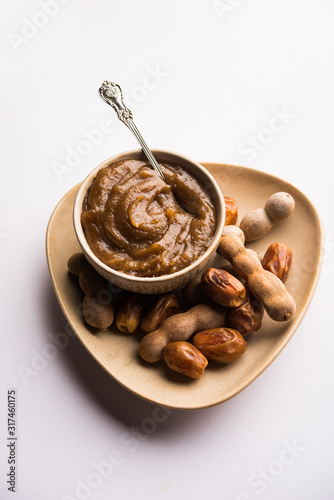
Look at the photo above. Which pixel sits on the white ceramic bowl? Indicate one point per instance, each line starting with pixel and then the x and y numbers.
pixel 166 282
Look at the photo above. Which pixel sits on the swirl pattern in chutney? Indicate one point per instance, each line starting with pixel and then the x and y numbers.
pixel 137 224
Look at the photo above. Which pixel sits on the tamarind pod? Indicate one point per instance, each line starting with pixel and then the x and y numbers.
pixel 180 327
pixel 265 286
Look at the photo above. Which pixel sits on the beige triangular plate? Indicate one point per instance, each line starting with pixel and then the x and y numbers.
pixel 118 354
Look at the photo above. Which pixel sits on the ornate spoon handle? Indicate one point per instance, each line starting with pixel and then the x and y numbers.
pixel 112 94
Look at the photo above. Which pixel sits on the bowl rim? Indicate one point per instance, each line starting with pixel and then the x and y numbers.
pixel 218 200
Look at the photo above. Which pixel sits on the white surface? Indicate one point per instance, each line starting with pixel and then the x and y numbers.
pixel 221 80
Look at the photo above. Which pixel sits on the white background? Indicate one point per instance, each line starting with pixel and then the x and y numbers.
pixel 220 72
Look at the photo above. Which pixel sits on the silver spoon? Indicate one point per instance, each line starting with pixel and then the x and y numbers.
pixel 112 94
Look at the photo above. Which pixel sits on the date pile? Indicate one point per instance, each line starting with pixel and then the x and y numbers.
pixel 225 304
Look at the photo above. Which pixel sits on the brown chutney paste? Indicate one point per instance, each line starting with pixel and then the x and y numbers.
pixel 137 224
